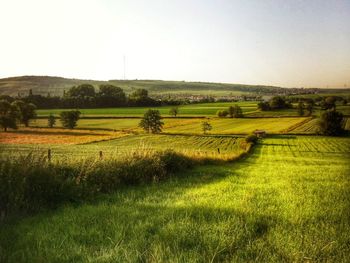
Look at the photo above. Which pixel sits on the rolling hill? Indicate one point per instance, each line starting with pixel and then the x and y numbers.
pixel 56 85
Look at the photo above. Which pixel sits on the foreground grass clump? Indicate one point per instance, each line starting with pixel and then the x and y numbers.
pixel 288 202
pixel 31 183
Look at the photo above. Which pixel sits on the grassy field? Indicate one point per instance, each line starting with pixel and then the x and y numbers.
pixel 200 109
pixel 228 146
pixel 287 202
pixel 191 126
pixel 55 136
pixel 239 126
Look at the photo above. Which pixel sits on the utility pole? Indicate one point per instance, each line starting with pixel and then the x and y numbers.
pixel 124 65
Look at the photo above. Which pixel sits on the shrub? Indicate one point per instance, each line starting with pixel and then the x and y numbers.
pixel 331 123
pixel 51 121
pixel 29 184
pixel 251 138
pixel 69 119
pixel 222 113
pixel 206 126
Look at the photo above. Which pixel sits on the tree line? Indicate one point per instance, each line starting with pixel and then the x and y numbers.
pixel 86 96
pixel 20 112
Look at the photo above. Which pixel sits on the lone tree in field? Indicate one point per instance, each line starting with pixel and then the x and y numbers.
pixel 235 112
pixel 8 115
pixel 51 121
pixel 206 126
pixel 69 119
pixel 331 123
pixel 174 111
pixel 26 111
pixel 151 122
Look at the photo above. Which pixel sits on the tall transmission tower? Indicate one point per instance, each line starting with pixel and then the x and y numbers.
pixel 124 65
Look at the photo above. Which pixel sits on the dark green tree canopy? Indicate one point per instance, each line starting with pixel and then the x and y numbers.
pixel 51 121
pixel 26 111
pixel 110 96
pixel 151 122
pixel 300 108
pixel 81 91
pixel 278 102
pixel 69 119
pixel 8 115
pixel 139 94
pixel 331 123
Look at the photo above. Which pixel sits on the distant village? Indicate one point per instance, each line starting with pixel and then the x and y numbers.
pixel 231 97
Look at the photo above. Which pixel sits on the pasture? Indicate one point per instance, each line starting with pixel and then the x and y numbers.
pixel 287 202
pixel 190 125
pixel 199 146
pixel 200 109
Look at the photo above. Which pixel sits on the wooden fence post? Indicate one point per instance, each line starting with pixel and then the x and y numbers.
pixel 101 154
pixel 49 154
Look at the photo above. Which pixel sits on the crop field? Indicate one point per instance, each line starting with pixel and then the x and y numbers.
pixel 190 145
pixel 109 124
pixel 239 126
pixel 201 109
pixel 190 126
pixel 55 136
pixel 287 202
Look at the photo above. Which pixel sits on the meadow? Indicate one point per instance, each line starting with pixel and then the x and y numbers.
pixel 112 193
pixel 198 146
pixel 286 202
pixel 190 125
pixel 200 109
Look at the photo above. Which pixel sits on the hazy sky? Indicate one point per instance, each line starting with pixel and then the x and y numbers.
pixel 285 43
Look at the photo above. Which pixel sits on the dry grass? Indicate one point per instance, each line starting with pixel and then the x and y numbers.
pixel 56 136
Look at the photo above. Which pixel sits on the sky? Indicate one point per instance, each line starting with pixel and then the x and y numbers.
pixel 284 43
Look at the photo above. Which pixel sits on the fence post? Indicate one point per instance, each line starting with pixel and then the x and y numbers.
pixel 101 155
pixel 49 154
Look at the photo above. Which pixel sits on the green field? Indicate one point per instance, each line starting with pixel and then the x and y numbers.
pixel 191 145
pixel 287 202
pixel 239 126
pixel 191 126
pixel 200 109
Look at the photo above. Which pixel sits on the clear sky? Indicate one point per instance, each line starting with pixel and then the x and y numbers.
pixel 285 43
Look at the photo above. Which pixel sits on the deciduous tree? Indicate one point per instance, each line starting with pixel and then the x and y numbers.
pixel 69 119
pixel 8 115
pixel 151 122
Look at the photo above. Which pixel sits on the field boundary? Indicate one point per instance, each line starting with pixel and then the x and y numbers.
pixel 293 127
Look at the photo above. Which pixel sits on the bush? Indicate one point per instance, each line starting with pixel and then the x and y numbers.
pixel 331 123
pixel 69 119
pixel 222 113
pixel 251 138
pixel 29 184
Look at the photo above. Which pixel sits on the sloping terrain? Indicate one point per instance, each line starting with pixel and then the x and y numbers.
pixel 287 202
pixel 56 85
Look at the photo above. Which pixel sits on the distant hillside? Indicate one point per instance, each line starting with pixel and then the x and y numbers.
pixel 56 85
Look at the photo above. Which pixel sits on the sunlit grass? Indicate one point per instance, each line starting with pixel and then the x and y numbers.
pixel 287 202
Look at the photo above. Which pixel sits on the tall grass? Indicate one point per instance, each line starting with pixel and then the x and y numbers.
pixel 30 183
